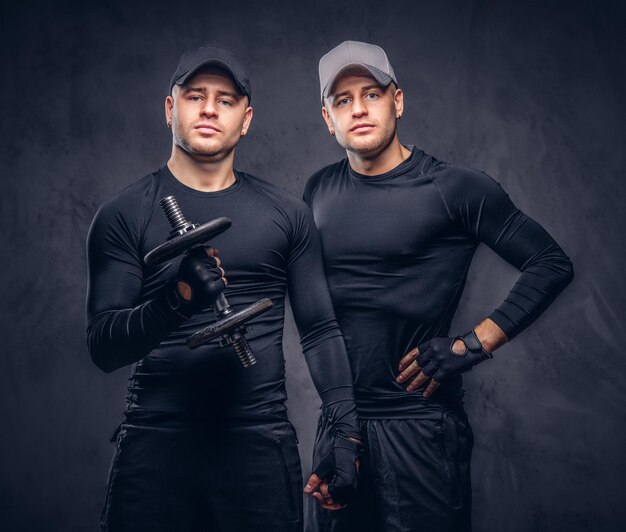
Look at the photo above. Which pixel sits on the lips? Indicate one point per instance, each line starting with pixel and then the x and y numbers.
pixel 362 126
pixel 206 128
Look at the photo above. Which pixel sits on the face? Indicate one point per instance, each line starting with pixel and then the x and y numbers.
pixel 362 114
pixel 208 116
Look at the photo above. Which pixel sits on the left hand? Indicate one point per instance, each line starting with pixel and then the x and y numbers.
pixel 319 490
pixel 439 358
pixel 335 479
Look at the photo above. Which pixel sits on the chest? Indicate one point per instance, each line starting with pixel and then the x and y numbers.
pixel 255 247
pixel 380 222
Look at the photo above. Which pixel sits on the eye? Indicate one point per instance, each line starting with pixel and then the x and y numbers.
pixel 342 102
pixel 194 98
pixel 225 103
pixel 372 96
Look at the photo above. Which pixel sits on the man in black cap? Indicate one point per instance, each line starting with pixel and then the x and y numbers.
pixel 399 229
pixel 206 444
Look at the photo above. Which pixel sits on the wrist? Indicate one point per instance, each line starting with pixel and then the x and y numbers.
pixel 356 440
pixel 474 346
pixel 349 433
pixel 177 303
pixel 350 444
pixel 490 334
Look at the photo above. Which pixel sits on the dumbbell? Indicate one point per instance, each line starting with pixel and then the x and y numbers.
pixel 185 236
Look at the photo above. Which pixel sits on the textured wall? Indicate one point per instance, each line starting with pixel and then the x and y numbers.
pixel 530 92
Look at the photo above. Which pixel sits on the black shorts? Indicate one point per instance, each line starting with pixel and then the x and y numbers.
pixel 196 478
pixel 414 476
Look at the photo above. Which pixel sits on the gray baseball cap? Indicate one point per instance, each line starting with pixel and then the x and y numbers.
pixel 354 55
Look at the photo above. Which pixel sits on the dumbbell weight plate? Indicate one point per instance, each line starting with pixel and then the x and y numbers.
pixel 228 323
pixel 187 241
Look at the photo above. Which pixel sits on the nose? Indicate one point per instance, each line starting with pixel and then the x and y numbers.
pixel 209 109
pixel 358 108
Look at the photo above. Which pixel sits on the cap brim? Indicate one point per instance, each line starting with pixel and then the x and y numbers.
pixel 212 62
pixel 379 76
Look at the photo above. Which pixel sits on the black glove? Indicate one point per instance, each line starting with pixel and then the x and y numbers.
pixel 201 281
pixel 339 469
pixel 438 361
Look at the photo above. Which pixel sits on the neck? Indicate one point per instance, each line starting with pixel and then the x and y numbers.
pixel 379 162
pixel 202 173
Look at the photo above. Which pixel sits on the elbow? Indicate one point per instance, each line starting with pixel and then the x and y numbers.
pixel 102 361
pixel 570 276
pixel 102 350
pixel 102 357
pixel 568 272
pixel 558 267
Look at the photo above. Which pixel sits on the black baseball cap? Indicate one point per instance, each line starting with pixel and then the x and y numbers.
pixel 192 60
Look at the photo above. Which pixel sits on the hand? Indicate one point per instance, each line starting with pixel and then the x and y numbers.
pixel 319 490
pixel 200 279
pixel 439 358
pixel 335 479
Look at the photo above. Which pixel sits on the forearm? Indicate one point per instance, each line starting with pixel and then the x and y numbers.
pixel 543 278
pixel 331 374
pixel 117 338
pixel 532 294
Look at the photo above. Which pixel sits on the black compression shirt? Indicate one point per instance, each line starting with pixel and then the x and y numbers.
pixel 272 246
pixel 397 248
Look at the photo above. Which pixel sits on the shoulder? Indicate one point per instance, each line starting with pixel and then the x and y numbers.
pixel 290 214
pixel 128 199
pixel 322 177
pixel 270 192
pixel 127 209
pixel 470 192
pixel 456 175
pixel 276 197
pixel 460 181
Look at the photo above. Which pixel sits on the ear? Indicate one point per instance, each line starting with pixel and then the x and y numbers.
pixel 169 104
pixel 398 100
pixel 247 119
pixel 327 119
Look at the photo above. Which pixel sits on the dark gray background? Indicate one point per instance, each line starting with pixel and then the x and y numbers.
pixel 532 93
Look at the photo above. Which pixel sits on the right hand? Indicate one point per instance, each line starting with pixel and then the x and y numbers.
pixel 439 358
pixel 200 279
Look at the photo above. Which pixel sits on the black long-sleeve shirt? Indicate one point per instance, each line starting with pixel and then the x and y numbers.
pixel 271 247
pixel 397 248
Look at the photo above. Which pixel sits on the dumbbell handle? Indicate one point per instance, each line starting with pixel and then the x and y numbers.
pixel 221 305
pixel 236 337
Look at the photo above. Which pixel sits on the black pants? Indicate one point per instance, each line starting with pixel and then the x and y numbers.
pixel 414 476
pixel 197 478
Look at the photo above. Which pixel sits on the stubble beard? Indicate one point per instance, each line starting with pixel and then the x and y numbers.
pixel 212 150
pixel 371 148
pixel 196 148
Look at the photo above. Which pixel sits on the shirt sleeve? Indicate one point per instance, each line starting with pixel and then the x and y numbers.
pixel 486 212
pixel 120 329
pixel 321 339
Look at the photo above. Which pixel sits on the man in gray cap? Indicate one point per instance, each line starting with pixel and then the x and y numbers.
pixel 206 443
pixel 399 229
